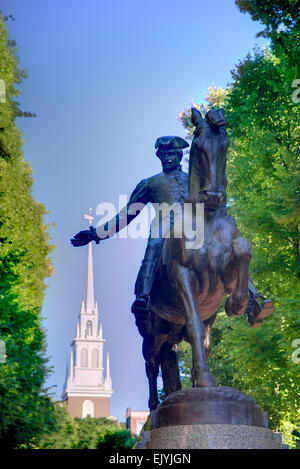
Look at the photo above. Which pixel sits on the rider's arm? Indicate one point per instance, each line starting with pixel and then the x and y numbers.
pixel 140 195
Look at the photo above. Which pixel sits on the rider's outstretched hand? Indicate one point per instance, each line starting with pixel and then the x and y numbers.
pixel 85 237
pixel 82 238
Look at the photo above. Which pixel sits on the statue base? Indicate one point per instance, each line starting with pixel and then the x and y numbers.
pixel 208 418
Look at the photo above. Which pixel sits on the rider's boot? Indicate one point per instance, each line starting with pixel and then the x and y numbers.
pixel 141 303
pixel 141 306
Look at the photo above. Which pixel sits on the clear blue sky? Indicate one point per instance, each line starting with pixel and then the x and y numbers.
pixel 106 78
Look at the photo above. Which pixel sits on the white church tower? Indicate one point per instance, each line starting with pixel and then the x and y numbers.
pixel 87 389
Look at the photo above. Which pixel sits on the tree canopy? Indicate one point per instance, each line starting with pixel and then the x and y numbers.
pixel 25 408
pixel 272 13
pixel 263 196
pixel 87 433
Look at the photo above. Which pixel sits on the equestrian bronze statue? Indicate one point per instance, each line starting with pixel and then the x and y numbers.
pixel 191 283
pixel 180 287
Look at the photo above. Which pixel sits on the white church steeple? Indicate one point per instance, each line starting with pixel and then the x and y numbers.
pixel 86 390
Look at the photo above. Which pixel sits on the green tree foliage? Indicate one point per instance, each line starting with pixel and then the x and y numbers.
pixel 282 24
pixel 25 408
pixel 272 13
pixel 64 433
pixel 116 440
pixel 263 189
pixel 87 433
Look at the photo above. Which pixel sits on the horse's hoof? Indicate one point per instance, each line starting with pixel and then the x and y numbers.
pixel 234 308
pixel 204 379
pixel 207 380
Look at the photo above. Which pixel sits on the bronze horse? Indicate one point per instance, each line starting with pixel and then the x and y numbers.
pixel 191 283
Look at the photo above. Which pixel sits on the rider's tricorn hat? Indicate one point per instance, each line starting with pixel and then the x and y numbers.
pixel 170 142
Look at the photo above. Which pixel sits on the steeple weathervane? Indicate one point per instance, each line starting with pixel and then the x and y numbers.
pixel 89 216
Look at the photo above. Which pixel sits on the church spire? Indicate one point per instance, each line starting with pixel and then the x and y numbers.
pixel 86 391
pixel 89 297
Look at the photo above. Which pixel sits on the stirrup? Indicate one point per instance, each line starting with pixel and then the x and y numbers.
pixel 256 312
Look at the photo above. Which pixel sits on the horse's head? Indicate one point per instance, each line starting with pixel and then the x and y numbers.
pixel 208 158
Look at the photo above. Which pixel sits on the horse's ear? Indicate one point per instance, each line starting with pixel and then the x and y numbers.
pixel 197 118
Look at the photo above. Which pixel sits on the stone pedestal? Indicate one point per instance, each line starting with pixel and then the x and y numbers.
pixel 208 418
pixel 213 437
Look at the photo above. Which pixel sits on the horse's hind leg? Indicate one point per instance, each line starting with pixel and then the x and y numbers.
pixel 169 369
pixel 152 374
pixel 187 284
pixel 152 368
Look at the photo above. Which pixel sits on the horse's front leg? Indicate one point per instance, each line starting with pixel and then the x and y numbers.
pixel 207 341
pixel 236 304
pixel 187 285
